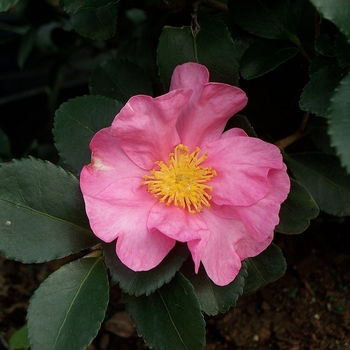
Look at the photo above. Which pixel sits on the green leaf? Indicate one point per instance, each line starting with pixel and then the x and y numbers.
pixel 170 318
pixel 67 309
pixel 337 11
pixel 242 122
pixel 318 131
pixel 320 62
pixel 144 282
pixel 42 213
pixel 297 210
pixel 141 52
pixel 19 339
pixel 318 91
pixel 76 122
pixel 175 47
pixel 268 19
pixel 214 298
pixel 339 121
pixel 324 178
pixel 6 4
pixel 265 55
pixel 342 51
pixel 304 13
pixel 324 45
pixel 96 24
pixel 212 44
pixel 119 80
pixel 74 6
pixel 5 147
pixel 265 268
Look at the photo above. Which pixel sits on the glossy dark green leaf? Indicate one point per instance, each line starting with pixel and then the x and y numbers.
pixel 67 309
pixel 19 339
pixel 297 210
pixel 268 19
pixel 265 268
pixel 320 62
pixel 74 6
pixel 144 282
pixel 337 11
pixel 6 4
pixel 322 175
pixel 339 121
pixel 323 45
pixel 170 318
pixel 342 51
pixel 119 79
pixel 318 91
pixel 175 47
pixel 76 122
pixel 140 51
pixel 212 44
pixel 42 213
pixel 265 55
pixel 241 121
pixel 305 19
pixel 98 23
pixel 213 298
pixel 318 128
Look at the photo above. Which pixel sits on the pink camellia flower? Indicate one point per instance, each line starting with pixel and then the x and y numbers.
pixel 164 171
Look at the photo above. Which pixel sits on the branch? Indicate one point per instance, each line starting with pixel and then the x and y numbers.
pixel 300 133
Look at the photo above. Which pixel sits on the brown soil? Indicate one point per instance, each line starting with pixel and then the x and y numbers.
pixel 308 308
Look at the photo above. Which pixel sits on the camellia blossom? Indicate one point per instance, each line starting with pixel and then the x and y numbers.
pixel 165 171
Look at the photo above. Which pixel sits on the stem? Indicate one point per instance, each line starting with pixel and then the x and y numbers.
pixel 300 133
pixel 14 29
pixel 195 28
pixel 215 5
pixel 297 42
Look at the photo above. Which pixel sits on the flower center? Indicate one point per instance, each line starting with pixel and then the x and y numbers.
pixel 182 181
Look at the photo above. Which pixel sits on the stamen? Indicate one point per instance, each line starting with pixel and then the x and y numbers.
pixel 182 180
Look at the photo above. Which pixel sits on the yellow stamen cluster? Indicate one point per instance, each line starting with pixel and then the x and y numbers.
pixel 182 181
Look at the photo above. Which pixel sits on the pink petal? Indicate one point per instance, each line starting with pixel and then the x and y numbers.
pixel 205 116
pixel 176 223
pixel 228 244
pixel 113 210
pixel 233 133
pixel 249 248
pixel 242 165
pixel 260 219
pixel 146 126
pixel 219 258
pixel 145 250
pixel 279 184
pixel 189 76
pixel 182 226
pixel 108 164
pixel 121 211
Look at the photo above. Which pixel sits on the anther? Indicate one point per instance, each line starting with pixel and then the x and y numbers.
pixel 182 181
